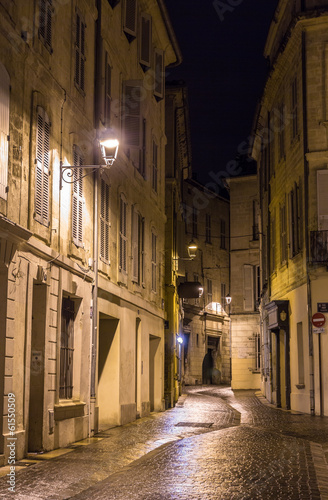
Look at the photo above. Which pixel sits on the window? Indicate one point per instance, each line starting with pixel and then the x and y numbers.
pixel 283 235
pixel 300 353
pixel 159 74
pixel 79 52
pixel 194 222
pixel 322 190
pixel 108 91
pixel 145 41
pixel 281 131
pixel 255 220
pixel 153 262
pixel 4 129
pixel 222 234
pixel 295 221
pixel 248 287
pixel 208 229
pixel 42 167
pixel 137 247
pixel 257 287
pixel 142 164
pixel 209 291
pixel 273 244
pixel 130 18
pixel 134 127
pixel 257 349
pixel 123 237
pixel 66 349
pixel 155 167
pixel 223 297
pixel 45 22
pixel 196 278
pixel 294 109
pixel 104 221
pixel 77 208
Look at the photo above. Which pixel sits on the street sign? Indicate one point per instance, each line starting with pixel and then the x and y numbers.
pixel 322 307
pixel 318 320
pixel 319 330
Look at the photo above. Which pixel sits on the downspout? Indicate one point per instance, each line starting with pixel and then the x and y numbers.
pixel 306 225
pixel 94 334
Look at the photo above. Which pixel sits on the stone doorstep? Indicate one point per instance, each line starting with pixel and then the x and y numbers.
pixel 48 455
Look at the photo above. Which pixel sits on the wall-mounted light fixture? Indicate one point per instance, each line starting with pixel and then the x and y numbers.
pixel 192 249
pixel 108 147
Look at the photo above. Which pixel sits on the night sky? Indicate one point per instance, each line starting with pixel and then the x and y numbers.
pixel 224 69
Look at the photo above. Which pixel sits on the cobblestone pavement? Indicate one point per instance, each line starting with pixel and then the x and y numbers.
pixel 215 444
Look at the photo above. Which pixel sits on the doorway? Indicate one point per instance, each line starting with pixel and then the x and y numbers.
pixel 39 309
pixel 137 367
pixel 154 371
pixel 3 316
pixel 108 372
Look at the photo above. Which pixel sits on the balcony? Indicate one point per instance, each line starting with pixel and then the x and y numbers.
pixel 319 246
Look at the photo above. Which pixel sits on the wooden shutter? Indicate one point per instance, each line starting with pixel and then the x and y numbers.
pixel 4 129
pixel 104 221
pixel 79 52
pixel 133 127
pixel 153 262
pixel 159 74
pixel 42 167
pixel 155 167
pixel 45 22
pixel 248 288
pixel 145 40
pixel 130 17
pixel 77 203
pixel 135 245
pixel 322 190
pixel 123 238
pixel 108 91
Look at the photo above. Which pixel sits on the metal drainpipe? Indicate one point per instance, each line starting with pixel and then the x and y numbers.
pixel 306 226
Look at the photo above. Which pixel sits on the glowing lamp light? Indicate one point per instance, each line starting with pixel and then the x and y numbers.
pixel 228 299
pixel 179 339
pixel 192 249
pixel 109 149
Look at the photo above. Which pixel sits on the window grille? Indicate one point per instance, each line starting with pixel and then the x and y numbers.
pixel 66 349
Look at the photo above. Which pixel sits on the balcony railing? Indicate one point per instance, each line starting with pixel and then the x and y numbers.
pixel 319 246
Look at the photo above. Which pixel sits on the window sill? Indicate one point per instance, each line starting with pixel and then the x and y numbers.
pixel 68 409
pixel 300 386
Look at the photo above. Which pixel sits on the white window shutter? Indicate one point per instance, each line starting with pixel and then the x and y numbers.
pixel 4 129
pixel 135 245
pixel 77 202
pixel 133 129
pixel 322 193
pixel 123 238
pixel 104 221
pixel 42 167
pixel 248 287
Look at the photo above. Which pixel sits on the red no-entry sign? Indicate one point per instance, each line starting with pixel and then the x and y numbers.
pixel 318 320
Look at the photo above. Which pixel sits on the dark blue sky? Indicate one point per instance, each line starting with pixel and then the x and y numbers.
pixel 224 69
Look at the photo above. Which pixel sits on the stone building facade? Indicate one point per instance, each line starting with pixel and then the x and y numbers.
pixel 245 282
pixel 290 147
pixel 206 321
pixel 82 263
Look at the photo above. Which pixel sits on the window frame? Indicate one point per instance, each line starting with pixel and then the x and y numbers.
pixel 66 381
pixel 79 52
pixel 104 222
pixel 153 261
pixel 77 198
pixel 42 168
pixel 123 239
pixel 4 129
pixel 46 25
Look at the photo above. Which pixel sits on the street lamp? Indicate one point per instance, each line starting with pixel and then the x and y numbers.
pixel 108 147
pixel 192 249
pixel 228 300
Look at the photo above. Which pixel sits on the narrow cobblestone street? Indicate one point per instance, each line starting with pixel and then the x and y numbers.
pixel 215 444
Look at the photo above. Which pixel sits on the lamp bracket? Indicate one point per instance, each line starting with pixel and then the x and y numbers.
pixel 67 172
